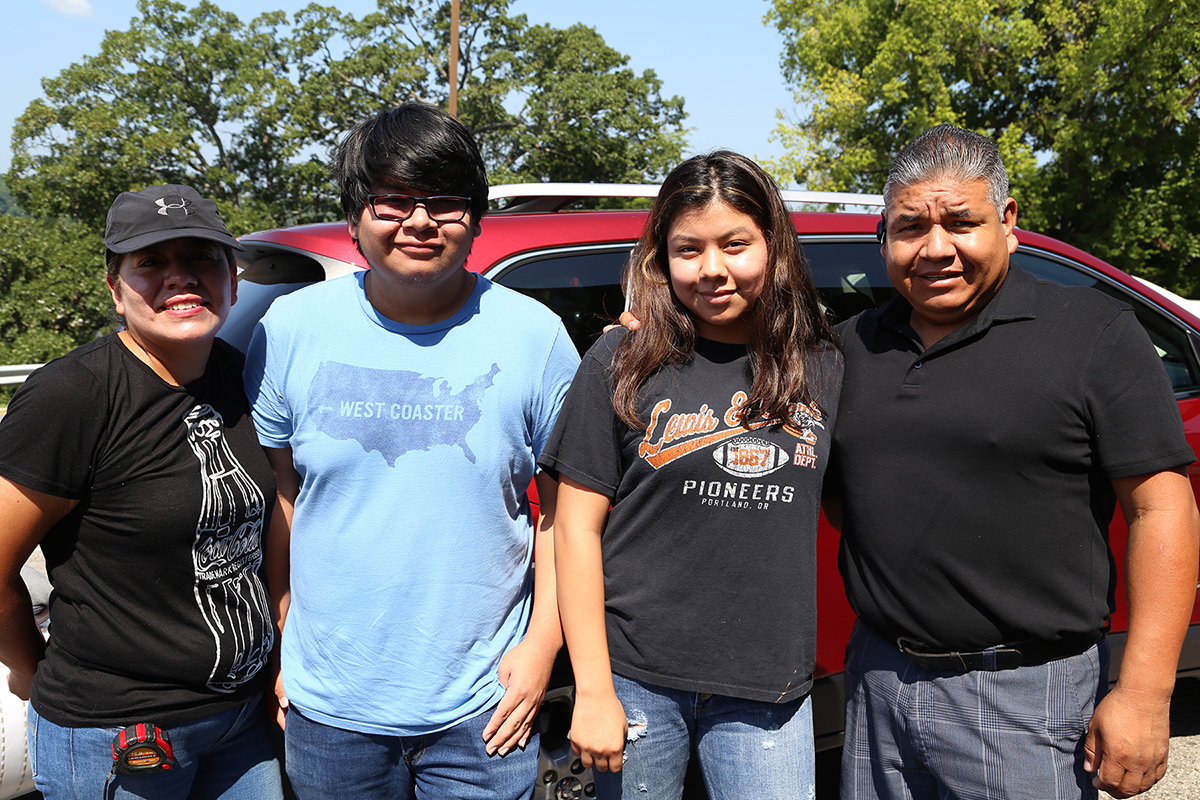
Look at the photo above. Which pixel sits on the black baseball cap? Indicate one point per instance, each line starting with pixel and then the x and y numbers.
pixel 158 213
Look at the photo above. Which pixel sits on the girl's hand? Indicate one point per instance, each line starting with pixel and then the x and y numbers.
pixel 598 728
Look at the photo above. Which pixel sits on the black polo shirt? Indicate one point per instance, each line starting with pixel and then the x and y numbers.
pixel 976 475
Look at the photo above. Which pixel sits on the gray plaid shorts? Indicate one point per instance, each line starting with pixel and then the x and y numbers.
pixel 1012 734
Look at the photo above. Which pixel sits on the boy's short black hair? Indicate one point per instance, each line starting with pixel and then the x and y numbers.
pixel 414 145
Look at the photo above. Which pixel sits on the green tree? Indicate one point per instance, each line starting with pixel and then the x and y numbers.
pixel 249 114
pixel 585 115
pixel 184 96
pixel 543 103
pixel 52 292
pixel 1093 103
pixel 8 204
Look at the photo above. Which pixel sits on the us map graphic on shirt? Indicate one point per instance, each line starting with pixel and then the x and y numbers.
pixel 227 553
pixel 394 412
pixel 735 449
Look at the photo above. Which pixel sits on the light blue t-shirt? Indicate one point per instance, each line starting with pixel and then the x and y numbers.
pixel 412 539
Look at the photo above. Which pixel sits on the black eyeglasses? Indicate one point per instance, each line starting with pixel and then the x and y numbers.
pixel 399 207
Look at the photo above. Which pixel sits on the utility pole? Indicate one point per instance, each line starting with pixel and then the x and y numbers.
pixel 454 58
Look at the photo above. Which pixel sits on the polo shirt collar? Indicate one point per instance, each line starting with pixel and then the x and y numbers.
pixel 1016 300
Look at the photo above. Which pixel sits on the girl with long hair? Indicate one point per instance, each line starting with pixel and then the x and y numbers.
pixel 690 454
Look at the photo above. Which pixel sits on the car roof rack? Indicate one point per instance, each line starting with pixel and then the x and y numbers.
pixel 533 197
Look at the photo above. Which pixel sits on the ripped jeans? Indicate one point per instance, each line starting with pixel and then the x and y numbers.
pixel 747 748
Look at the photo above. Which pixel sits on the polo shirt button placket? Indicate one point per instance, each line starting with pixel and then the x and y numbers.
pixel 912 376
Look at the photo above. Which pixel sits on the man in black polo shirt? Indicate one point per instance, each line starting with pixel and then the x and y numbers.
pixel 989 423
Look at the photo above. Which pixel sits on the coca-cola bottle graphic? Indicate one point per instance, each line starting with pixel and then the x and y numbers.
pixel 227 553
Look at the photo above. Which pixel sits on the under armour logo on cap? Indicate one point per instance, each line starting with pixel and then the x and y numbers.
pixel 158 213
pixel 167 205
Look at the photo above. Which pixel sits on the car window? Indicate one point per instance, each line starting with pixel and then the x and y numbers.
pixel 581 287
pixel 265 274
pixel 850 277
pixel 1169 337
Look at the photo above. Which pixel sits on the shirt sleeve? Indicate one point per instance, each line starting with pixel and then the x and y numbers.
pixel 264 377
pixel 561 364
pixel 1136 428
pixel 831 367
pixel 51 435
pixel 586 443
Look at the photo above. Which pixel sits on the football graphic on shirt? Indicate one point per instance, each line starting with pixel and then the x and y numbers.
pixel 748 456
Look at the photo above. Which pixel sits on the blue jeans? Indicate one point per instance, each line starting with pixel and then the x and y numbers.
pixel 1014 734
pixel 226 755
pixel 325 762
pixel 747 748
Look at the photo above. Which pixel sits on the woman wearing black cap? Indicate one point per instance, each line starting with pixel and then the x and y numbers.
pixel 132 461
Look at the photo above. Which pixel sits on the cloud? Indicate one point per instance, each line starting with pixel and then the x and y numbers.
pixel 75 8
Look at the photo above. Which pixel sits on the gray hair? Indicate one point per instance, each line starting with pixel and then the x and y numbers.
pixel 949 153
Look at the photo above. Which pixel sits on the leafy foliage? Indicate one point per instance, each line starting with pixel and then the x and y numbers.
pixel 8 204
pixel 183 96
pixel 249 114
pixel 52 292
pixel 544 103
pixel 1093 103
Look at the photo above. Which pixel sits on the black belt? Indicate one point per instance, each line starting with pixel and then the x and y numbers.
pixel 1006 656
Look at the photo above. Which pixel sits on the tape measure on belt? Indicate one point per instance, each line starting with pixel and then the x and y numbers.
pixel 143 747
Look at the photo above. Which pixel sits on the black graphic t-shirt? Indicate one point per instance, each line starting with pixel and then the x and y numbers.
pixel 709 550
pixel 159 612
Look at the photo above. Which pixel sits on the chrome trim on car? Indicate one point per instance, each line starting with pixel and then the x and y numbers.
pixel 549 197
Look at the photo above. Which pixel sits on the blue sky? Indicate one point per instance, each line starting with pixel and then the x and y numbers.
pixel 724 65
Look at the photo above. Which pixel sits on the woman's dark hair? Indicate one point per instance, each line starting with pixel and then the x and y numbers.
pixel 414 145
pixel 786 326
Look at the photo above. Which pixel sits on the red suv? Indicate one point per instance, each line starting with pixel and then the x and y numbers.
pixel 571 261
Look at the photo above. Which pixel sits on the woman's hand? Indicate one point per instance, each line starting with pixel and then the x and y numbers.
pixel 19 685
pixel 277 702
pixel 598 730
pixel 25 516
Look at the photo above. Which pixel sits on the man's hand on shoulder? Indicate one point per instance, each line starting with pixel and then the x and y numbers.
pixel 1127 741
pixel 627 320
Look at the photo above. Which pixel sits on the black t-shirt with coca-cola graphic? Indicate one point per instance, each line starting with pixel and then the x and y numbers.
pixel 159 612
pixel 710 548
